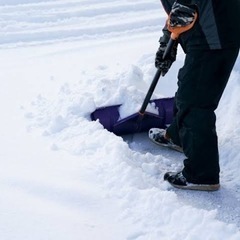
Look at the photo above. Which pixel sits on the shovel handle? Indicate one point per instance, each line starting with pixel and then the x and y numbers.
pixel 175 32
pixel 153 85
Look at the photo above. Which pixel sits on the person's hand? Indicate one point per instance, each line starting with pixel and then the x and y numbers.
pixel 165 64
pixel 181 15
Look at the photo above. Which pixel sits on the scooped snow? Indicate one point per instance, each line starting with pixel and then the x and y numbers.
pixel 63 175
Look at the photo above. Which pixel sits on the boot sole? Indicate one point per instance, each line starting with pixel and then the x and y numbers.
pixel 198 187
pixel 172 147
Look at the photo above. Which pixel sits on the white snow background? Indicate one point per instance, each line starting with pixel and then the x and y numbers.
pixel 63 176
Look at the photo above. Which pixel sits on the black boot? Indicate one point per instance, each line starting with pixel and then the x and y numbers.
pixel 177 180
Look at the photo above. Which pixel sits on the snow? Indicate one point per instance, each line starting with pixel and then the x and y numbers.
pixel 63 176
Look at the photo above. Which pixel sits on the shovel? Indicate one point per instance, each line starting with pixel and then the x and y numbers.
pixel 142 121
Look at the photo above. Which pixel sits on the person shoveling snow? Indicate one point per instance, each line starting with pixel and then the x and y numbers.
pixel 211 47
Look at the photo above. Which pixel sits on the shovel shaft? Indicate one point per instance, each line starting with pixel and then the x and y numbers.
pixel 156 78
pixel 150 92
pixel 175 33
pixel 169 47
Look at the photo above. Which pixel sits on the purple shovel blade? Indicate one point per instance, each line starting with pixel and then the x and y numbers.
pixel 109 118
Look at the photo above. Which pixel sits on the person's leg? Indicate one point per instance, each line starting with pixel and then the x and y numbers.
pixel 201 83
pixel 172 132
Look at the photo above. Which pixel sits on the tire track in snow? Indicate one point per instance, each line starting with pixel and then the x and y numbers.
pixel 47 22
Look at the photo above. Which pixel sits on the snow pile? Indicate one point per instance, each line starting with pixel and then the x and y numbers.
pixel 133 179
pixel 67 176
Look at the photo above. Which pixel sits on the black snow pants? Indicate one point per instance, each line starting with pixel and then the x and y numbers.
pixel 201 83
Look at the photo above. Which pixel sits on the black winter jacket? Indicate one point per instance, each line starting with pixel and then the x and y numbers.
pixel 217 27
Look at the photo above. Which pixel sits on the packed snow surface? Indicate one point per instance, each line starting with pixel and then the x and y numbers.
pixel 62 175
